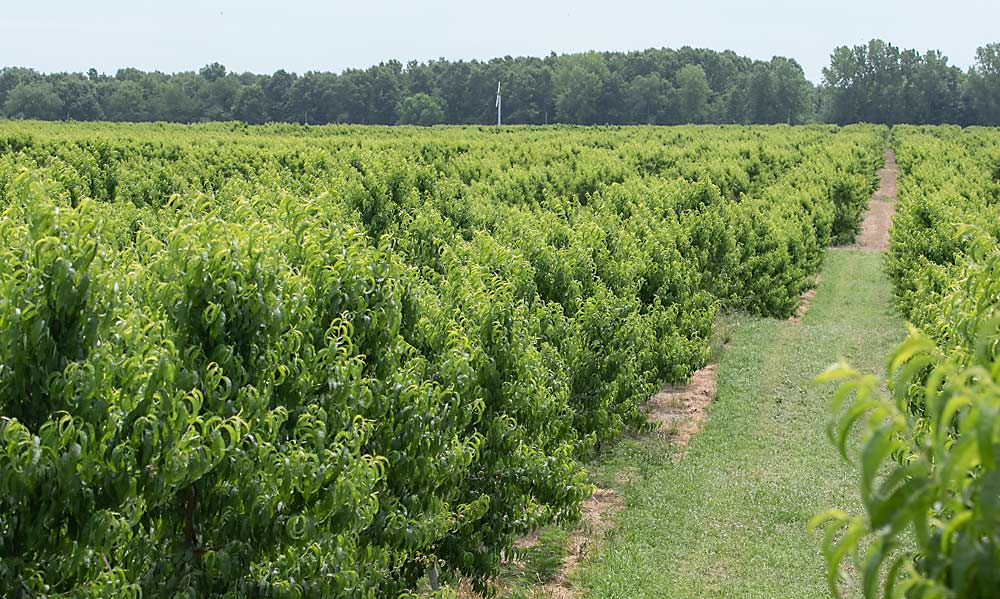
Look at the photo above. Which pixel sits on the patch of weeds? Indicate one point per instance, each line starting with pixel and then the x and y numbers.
pixel 726 324
pixel 535 565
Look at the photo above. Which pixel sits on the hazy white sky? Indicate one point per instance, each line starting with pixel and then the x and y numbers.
pixel 301 35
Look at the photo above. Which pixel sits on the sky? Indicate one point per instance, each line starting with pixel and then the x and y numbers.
pixel 303 35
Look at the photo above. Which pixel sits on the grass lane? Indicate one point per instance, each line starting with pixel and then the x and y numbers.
pixel 729 518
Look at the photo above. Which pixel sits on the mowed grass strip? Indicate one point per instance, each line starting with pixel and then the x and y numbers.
pixel 729 517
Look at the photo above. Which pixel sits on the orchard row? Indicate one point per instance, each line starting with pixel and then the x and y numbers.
pixel 325 362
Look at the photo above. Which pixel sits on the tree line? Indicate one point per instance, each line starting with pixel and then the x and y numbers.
pixel 876 82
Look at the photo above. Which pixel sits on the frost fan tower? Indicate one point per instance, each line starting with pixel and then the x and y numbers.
pixel 499 103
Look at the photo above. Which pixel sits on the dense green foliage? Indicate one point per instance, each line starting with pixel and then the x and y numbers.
pixel 879 83
pixel 876 83
pixel 930 453
pixel 289 361
pixel 655 86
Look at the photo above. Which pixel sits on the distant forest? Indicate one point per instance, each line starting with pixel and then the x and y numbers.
pixel 876 83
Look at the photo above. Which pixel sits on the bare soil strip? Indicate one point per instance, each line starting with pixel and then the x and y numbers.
pixel 887 178
pixel 874 234
pixel 805 300
pixel 596 519
pixel 683 408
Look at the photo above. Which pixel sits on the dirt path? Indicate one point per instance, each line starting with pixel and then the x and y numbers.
pixel 875 227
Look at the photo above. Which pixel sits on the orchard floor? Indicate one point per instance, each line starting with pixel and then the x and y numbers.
pixel 728 516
